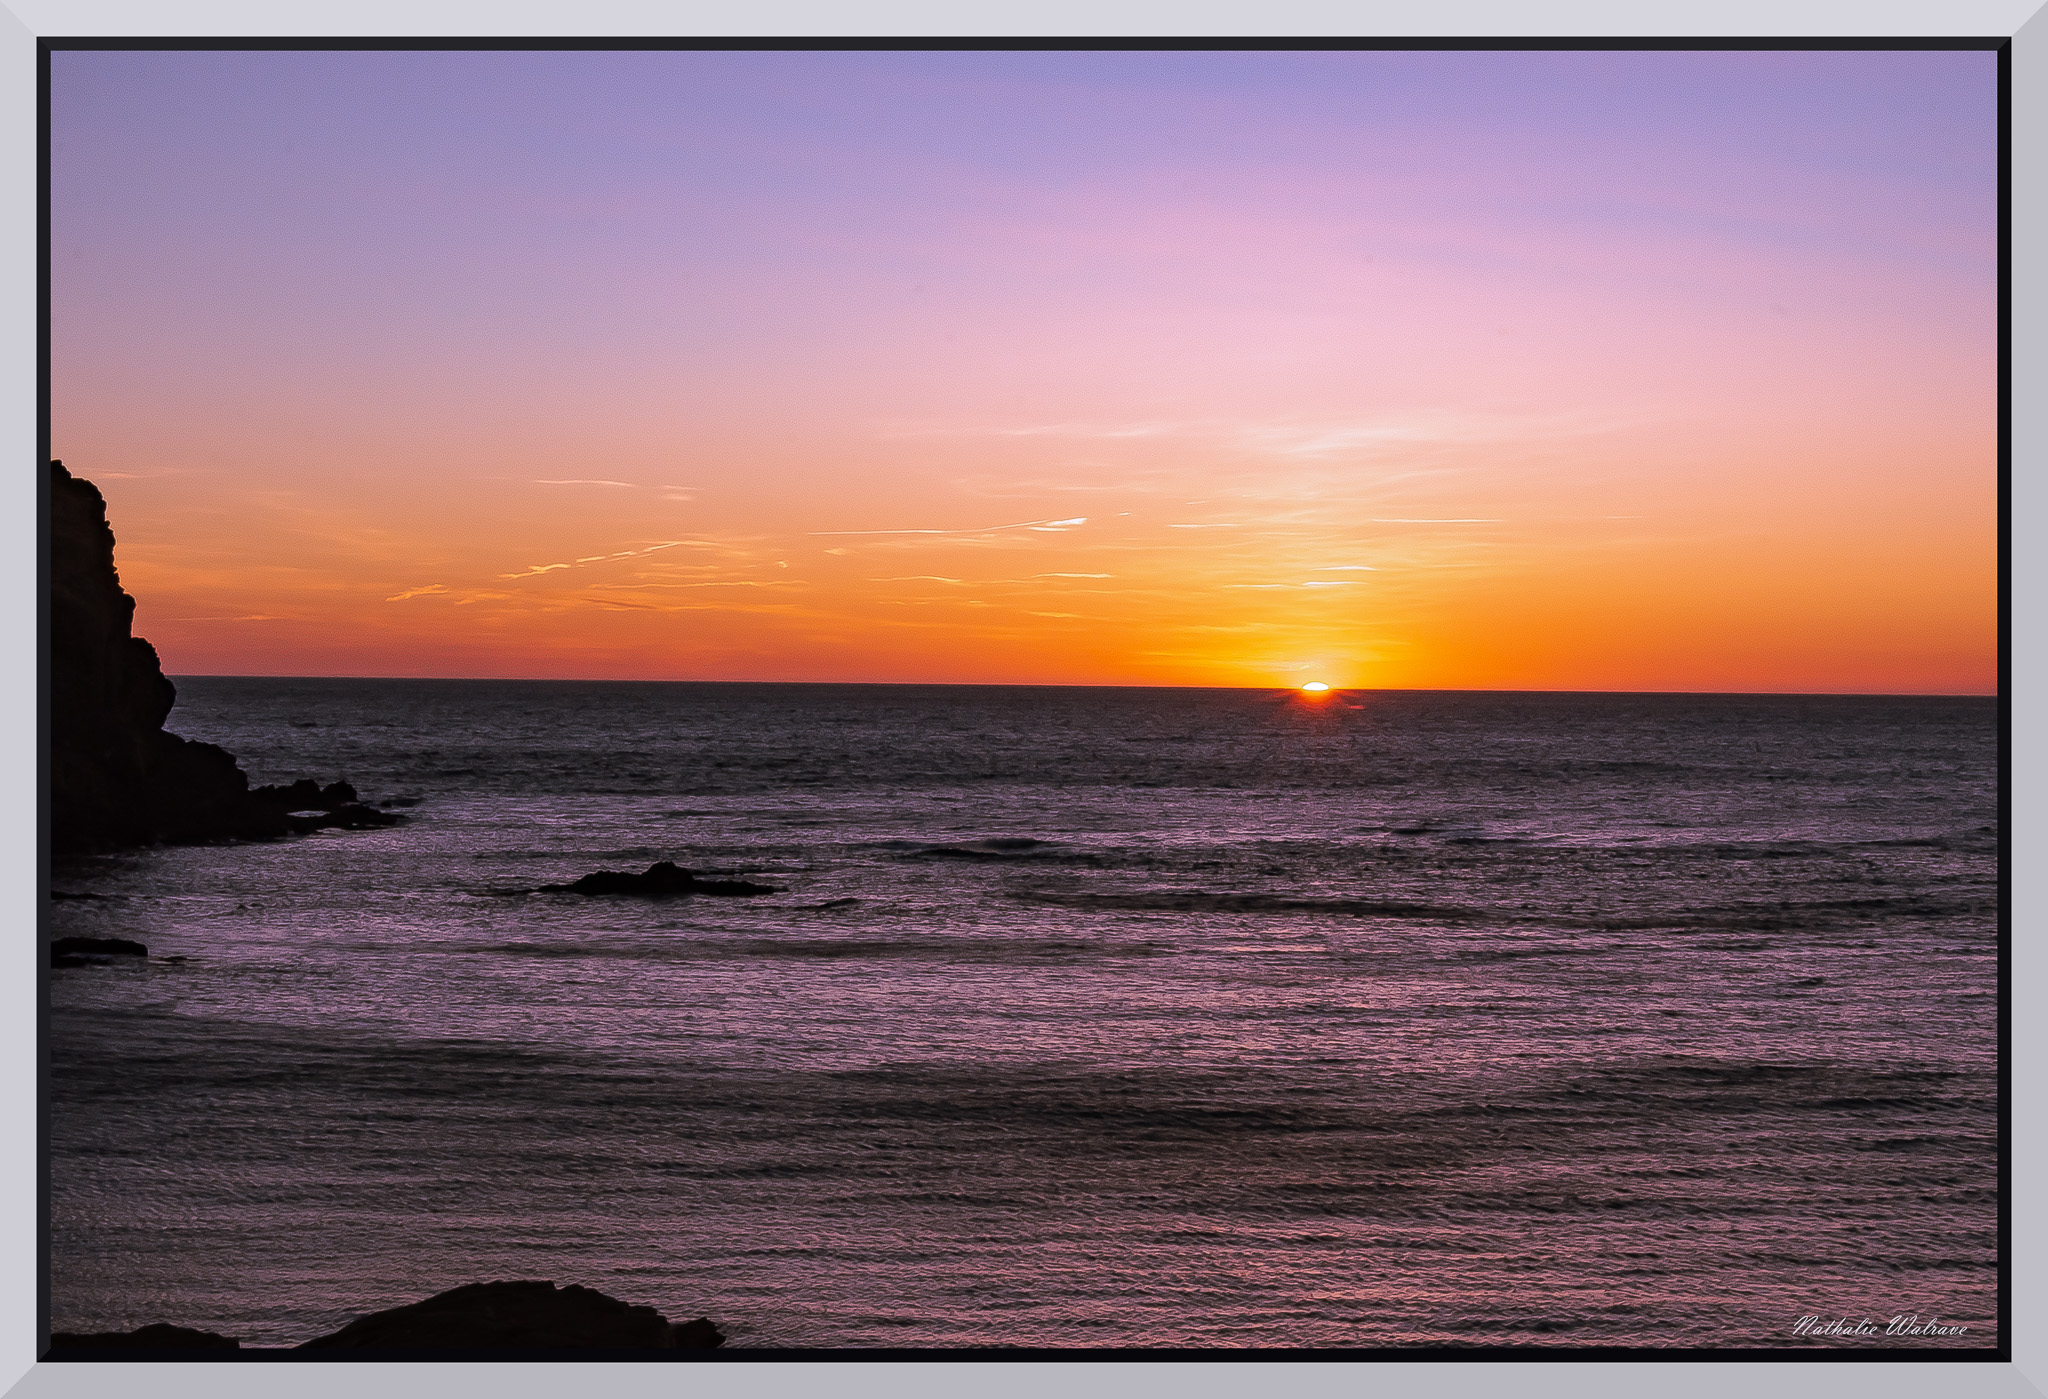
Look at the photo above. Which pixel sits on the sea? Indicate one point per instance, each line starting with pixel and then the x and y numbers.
pixel 1082 1018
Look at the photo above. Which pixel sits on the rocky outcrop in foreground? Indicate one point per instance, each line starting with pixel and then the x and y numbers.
pixel 116 778
pixel 663 880
pixel 520 1316
pixel 484 1316
pixel 157 1337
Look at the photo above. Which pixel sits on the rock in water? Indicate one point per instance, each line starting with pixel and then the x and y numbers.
pixel 662 880
pixel 104 947
pixel 307 806
pixel 519 1316
pixel 156 1337
pixel 116 778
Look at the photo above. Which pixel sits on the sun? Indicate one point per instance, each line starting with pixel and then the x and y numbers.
pixel 1315 687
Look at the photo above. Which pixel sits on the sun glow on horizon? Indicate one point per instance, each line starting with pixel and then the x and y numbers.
pixel 1316 687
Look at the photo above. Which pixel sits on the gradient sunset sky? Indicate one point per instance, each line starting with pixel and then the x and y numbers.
pixel 1610 371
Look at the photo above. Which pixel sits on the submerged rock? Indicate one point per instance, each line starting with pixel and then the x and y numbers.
pixel 662 880
pixel 520 1316
pixel 155 1337
pixel 306 794
pixel 307 806
pixel 105 947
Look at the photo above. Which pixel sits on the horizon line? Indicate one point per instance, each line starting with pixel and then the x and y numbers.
pixel 1086 685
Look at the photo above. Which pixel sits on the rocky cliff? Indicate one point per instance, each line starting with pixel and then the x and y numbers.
pixel 116 778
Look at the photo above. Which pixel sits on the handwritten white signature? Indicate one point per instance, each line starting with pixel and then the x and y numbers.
pixel 1908 1324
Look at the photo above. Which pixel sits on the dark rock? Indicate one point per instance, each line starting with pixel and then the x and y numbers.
pixel 156 1337
pixel 307 806
pixel 59 962
pixel 696 1335
pixel 306 795
pixel 662 880
pixel 518 1316
pixel 116 777
pixel 111 947
pixel 353 817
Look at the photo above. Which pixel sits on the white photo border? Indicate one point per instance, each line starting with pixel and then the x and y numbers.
pixel 23 22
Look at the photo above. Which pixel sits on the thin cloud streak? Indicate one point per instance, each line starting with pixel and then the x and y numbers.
pixel 622 554
pixel 1046 526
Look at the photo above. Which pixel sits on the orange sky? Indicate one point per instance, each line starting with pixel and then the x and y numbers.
pixel 1384 370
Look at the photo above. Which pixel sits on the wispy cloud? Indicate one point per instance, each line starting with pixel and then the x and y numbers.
pixel 724 583
pixel 1043 526
pixel 1379 521
pixel 1305 438
pixel 1160 428
pixel 1098 431
pixel 417 592
pixel 597 558
pixel 585 481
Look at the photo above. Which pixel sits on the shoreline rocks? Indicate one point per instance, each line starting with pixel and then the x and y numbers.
pixel 117 778
pixel 307 806
pixel 519 1316
pixel 155 1337
pixel 479 1317
pixel 663 880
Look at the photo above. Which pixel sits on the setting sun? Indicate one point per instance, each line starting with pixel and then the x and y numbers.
pixel 1315 687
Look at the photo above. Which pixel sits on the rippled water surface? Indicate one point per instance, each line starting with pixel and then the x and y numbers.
pixel 1084 1018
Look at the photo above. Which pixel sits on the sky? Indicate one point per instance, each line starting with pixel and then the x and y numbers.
pixel 1549 371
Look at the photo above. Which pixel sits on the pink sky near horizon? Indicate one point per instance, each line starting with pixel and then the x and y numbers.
pixel 1536 371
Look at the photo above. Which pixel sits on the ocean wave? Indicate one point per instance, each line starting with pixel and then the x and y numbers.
pixel 1204 901
pixel 997 848
pixel 1808 915
pixel 949 950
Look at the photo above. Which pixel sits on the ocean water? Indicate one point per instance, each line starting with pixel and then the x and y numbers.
pixel 1209 1018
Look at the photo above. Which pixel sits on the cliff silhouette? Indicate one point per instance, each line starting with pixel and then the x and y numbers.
pixel 116 777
